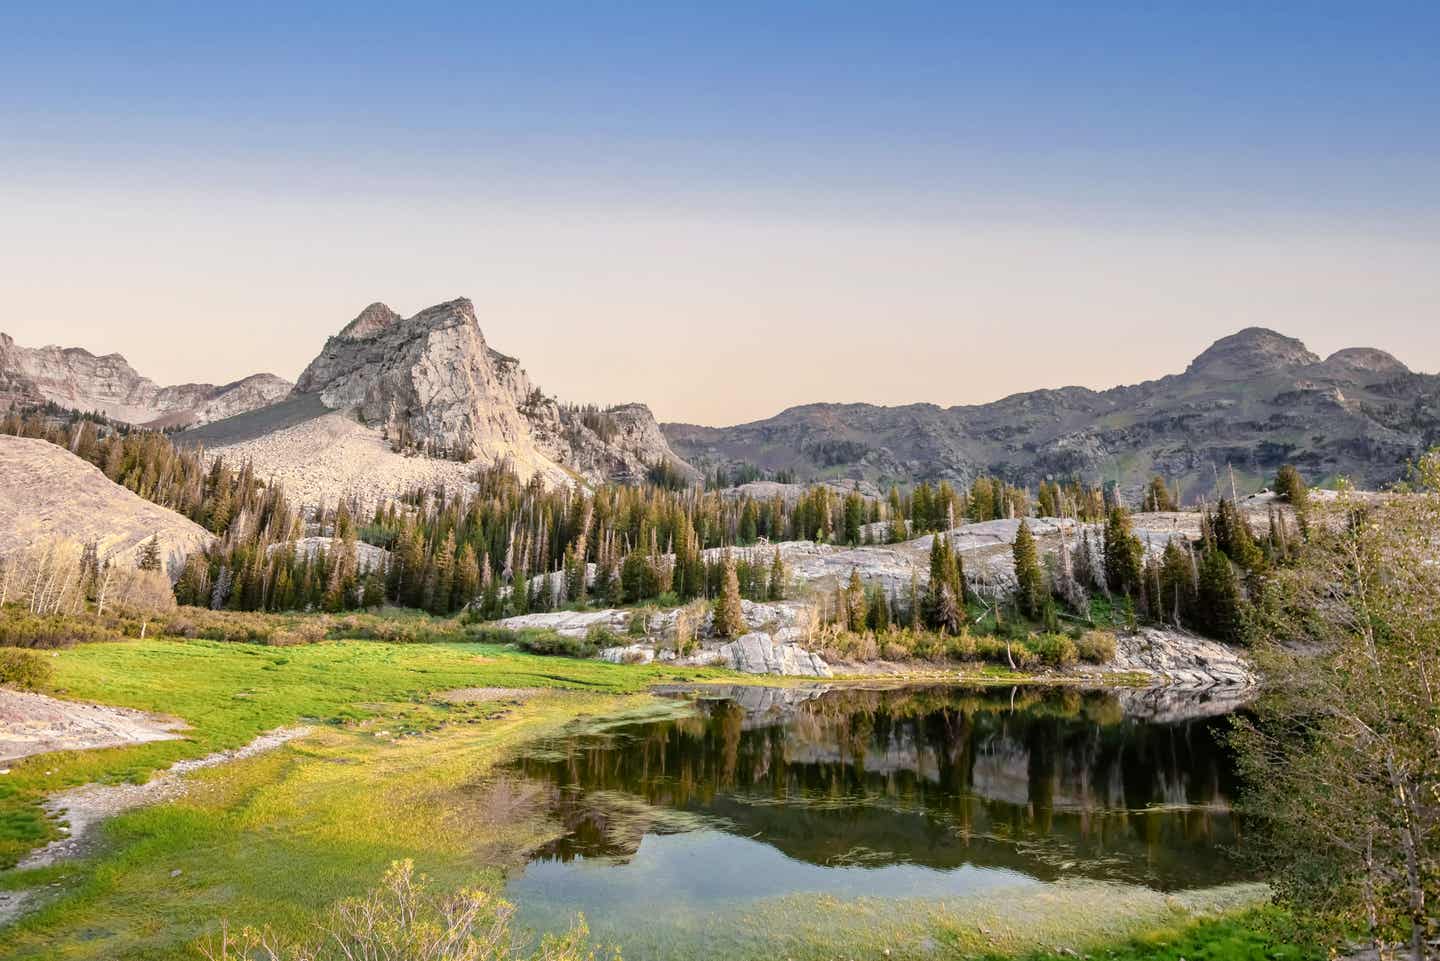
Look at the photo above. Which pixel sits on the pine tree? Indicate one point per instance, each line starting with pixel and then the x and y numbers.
pixel 150 554
pixel 1031 593
pixel 1158 497
pixel 856 603
pixel 778 576
pixel 467 577
pixel 1124 554
pixel 1291 486
pixel 1220 606
pixel 729 617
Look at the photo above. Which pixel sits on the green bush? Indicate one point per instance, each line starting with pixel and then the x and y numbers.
pixel 24 669
pixel 600 637
pixel 1096 647
pixel 490 634
pixel 1054 650
pixel 539 640
pixel 19 628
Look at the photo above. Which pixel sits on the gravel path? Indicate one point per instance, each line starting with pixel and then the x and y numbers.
pixel 35 724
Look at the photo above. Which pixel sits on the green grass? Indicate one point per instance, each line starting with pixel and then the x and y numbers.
pixel 229 693
pixel 1260 934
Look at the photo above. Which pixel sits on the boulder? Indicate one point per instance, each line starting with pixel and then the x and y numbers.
pixel 759 653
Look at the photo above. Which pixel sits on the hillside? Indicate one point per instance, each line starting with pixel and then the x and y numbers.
pixel 50 495
pixel 1254 400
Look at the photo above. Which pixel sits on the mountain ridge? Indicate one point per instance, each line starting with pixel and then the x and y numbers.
pixel 74 377
pixel 1252 399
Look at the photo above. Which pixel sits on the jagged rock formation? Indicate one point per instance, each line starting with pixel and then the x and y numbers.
pixel 431 383
pixel 51 496
pixel 1254 399
pixel 77 379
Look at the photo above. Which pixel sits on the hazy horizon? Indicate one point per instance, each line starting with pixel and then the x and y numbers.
pixel 725 215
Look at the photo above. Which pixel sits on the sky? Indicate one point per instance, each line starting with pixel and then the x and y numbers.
pixel 723 210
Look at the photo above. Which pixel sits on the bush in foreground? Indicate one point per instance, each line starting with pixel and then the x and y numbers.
pixel 23 669
pixel 402 920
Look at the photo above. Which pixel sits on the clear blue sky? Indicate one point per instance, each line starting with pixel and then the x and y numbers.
pixel 151 153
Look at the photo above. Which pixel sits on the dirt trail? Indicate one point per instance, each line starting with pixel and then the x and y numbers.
pixel 36 724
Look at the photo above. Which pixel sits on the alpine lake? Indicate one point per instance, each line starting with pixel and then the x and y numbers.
pixel 921 821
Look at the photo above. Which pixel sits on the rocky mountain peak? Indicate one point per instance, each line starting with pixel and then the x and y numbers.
pixel 370 321
pixel 432 383
pixel 1365 360
pixel 1254 350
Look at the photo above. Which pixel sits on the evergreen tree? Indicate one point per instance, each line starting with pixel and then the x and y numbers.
pixel 1124 554
pixel 1158 497
pixel 729 617
pixel 150 554
pixel 778 576
pixel 467 577
pixel 1291 486
pixel 1220 606
pixel 1031 593
pixel 856 603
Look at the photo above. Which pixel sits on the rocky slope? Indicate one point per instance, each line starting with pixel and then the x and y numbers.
pixel 1255 399
pixel 77 379
pixel 432 384
pixel 49 495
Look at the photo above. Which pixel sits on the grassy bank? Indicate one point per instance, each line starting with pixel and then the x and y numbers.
pixel 392 770
pixel 228 693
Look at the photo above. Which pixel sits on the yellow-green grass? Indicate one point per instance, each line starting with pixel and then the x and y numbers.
pixel 276 838
pixel 228 693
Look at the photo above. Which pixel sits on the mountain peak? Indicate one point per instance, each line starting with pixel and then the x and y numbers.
pixel 1365 360
pixel 370 322
pixel 1254 350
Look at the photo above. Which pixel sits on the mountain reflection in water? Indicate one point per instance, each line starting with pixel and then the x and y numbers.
pixel 1047 783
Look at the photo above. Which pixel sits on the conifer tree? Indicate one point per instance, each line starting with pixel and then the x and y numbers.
pixel 1031 593
pixel 1220 604
pixel 777 576
pixel 729 616
pixel 1123 554
pixel 150 554
pixel 856 603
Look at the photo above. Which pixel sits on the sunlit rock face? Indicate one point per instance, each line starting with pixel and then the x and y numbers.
pixel 431 382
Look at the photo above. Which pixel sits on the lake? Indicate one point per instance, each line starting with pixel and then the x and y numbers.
pixel 720 827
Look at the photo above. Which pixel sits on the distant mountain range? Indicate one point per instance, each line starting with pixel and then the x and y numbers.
pixel 75 378
pixel 1252 401
pixel 431 384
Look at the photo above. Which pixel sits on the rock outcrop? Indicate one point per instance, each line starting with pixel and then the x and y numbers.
pixel 1254 400
pixel 50 496
pixel 77 379
pixel 1182 659
pixel 432 384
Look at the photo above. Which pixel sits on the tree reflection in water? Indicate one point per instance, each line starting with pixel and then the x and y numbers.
pixel 1050 783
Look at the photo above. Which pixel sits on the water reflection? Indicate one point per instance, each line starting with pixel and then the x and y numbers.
pixel 1038 784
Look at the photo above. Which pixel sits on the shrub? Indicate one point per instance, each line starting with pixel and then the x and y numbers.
pixel 18 629
pixel 539 640
pixel 489 634
pixel 1054 650
pixel 962 646
pixel 893 651
pixel 600 637
pixel 24 669
pixel 1097 647
pixel 402 920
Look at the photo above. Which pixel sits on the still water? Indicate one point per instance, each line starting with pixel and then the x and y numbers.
pixel 745 795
